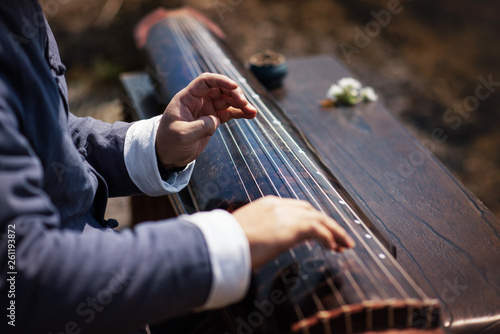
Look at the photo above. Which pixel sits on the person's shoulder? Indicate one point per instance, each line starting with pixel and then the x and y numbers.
pixel 22 28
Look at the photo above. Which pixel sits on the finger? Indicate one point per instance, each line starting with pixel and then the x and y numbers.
pixel 303 207
pixel 323 234
pixel 222 98
pixel 221 105
pixel 298 204
pixel 222 101
pixel 217 93
pixel 339 233
pixel 203 127
pixel 225 91
pixel 240 101
pixel 238 97
pixel 202 85
pixel 249 110
pixel 231 113
pixel 288 203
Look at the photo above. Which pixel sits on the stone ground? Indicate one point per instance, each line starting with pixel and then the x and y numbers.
pixel 424 63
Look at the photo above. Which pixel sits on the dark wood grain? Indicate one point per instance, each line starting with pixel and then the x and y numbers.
pixel 446 239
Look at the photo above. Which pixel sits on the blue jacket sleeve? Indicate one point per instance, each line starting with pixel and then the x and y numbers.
pixel 102 143
pixel 96 281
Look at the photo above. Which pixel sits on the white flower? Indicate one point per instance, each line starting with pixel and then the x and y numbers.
pixel 349 91
pixel 333 92
pixel 369 94
pixel 349 83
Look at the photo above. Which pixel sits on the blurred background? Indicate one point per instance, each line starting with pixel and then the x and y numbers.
pixel 425 63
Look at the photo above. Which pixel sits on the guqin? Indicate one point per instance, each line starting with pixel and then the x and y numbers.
pixel 307 289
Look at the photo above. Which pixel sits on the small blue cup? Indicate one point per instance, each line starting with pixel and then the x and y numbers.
pixel 269 68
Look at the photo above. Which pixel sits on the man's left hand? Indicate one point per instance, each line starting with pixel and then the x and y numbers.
pixel 194 114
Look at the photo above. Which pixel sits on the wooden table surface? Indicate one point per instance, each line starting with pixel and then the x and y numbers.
pixel 446 239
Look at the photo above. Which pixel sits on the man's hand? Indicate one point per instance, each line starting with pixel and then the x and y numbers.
pixel 272 225
pixel 194 114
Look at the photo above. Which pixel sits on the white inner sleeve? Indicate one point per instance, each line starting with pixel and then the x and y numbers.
pixel 229 256
pixel 141 162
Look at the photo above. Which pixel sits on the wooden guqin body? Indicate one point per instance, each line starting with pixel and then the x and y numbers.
pixel 307 289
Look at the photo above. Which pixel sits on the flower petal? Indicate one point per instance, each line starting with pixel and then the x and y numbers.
pixel 369 94
pixel 349 82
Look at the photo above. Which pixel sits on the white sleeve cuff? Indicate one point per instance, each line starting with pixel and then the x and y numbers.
pixel 141 162
pixel 229 256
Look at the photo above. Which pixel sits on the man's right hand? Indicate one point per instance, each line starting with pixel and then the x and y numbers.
pixel 272 225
